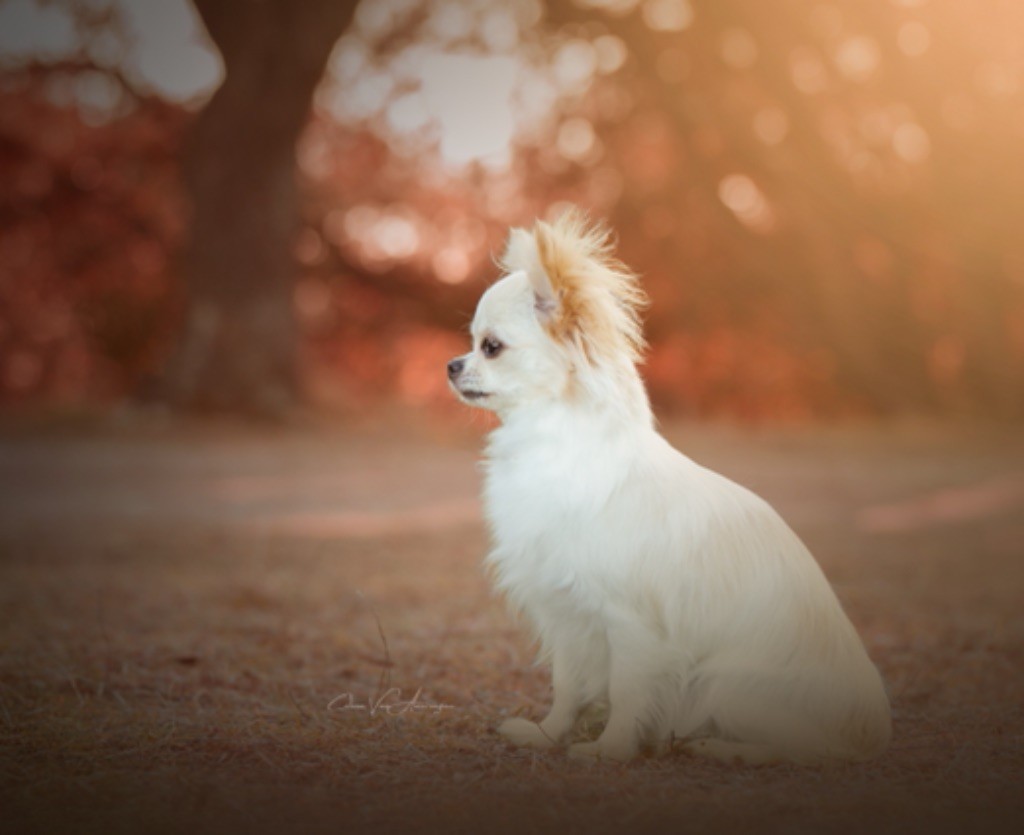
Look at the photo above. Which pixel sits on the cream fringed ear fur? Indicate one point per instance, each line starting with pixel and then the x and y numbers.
pixel 585 296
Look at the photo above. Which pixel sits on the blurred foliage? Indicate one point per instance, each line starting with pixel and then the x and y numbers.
pixel 824 198
pixel 90 219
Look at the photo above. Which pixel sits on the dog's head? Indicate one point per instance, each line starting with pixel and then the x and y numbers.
pixel 564 315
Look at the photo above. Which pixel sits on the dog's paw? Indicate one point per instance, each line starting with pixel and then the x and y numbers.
pixel 525 734
pixel 598 750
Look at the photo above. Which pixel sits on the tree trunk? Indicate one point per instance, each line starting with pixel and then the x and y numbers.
pixel 237 351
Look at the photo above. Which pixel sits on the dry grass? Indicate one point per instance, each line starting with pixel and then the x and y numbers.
pixel 191 641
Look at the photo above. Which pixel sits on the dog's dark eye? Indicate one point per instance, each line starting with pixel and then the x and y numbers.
pixel 491 347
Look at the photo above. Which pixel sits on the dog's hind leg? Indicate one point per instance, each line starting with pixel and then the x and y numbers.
pixel 761 717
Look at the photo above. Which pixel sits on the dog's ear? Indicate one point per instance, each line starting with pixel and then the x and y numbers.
pixel 583 295
pixel 545 301
pixel 552 278
pixel 522 253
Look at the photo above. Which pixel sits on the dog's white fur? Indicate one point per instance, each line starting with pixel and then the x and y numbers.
pixel 677 597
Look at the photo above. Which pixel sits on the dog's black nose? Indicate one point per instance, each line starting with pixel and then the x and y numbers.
pixel 454 367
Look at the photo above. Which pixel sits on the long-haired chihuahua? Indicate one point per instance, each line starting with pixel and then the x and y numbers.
pixel 677 598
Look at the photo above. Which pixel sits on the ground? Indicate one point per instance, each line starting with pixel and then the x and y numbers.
pixel 217 629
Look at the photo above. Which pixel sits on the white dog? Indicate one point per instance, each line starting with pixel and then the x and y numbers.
pixel 673 595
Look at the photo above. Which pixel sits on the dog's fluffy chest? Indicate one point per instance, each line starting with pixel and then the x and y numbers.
pixel 559 503
pixel 616 516
pixel 541 482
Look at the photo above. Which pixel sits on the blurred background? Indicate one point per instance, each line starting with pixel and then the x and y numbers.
pixel 253 206
pixel 288 209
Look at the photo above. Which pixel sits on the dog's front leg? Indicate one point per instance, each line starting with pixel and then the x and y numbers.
pixel 632 680
pixel 567 680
